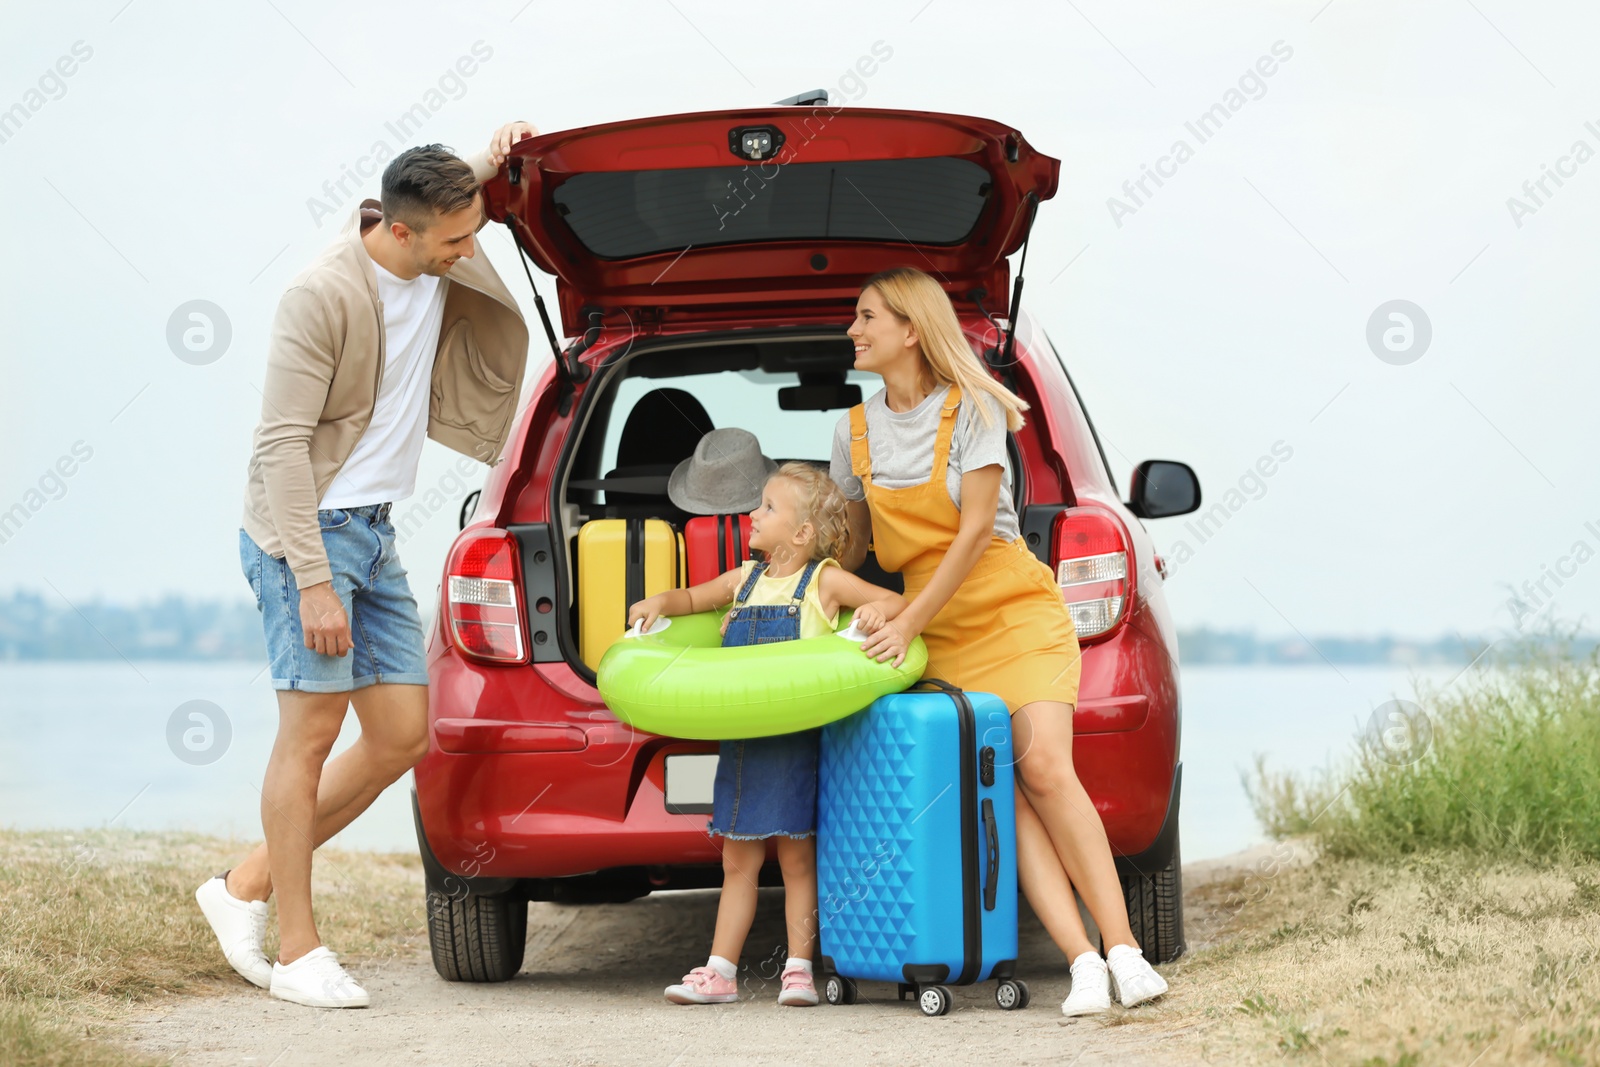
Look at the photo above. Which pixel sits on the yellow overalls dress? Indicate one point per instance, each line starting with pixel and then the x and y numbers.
pixel 1007 629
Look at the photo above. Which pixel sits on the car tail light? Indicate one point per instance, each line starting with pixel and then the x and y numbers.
pixel 482 601
pixel 1092 566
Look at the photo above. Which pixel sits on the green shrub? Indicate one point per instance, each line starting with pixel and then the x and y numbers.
pixel 1512 768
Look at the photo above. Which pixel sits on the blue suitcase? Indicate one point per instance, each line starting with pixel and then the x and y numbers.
pixel 916 848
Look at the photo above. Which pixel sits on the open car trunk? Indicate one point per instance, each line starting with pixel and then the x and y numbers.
pixel 644 413
pixel 761 212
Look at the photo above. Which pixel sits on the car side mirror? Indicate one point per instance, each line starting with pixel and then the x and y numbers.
pixel 1163 488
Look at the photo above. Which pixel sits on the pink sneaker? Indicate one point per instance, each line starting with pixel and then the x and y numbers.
pixel 798 988
pixel 705 986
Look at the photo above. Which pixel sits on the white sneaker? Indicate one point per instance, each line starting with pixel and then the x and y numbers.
pixel 317 981
pixel 1135 979
pixel 1091 988
pixel 240 926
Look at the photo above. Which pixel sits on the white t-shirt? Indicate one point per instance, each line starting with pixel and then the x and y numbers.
pixel 383 466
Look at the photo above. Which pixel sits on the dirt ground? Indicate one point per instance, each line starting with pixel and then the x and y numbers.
pixel 590 993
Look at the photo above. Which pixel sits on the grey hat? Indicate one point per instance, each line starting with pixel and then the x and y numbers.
pixel 725 475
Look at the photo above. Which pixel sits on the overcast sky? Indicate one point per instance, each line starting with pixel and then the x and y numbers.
pixel 166 152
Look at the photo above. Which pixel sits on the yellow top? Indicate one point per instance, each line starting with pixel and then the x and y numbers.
pixel 779 591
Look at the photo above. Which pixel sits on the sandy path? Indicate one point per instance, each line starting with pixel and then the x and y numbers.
pixel 590 993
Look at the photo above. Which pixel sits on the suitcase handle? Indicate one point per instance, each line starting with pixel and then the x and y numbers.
pixel 991 833
pixel 937 683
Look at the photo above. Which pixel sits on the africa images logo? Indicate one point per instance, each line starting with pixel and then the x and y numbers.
pixel 1536 192
pixel 451 85
pixel 1203 128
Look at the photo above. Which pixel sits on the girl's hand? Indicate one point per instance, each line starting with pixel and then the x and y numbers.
pixel 648 609
pixel 889 643
pixel 869 618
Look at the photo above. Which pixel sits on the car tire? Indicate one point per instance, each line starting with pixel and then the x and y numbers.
pixel 477 938
pixel 1155 909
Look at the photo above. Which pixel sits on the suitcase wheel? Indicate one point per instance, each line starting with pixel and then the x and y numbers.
pixel 840 990
pixel 1011 994
pixel 934 1000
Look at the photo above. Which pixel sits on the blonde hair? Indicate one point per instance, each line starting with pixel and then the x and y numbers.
pixel 821 503
pixel 916 298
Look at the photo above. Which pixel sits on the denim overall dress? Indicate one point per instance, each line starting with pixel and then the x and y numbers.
pixel 766 786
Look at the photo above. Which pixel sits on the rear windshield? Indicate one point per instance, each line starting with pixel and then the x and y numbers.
pixel 652 412
pixel 744 398
pixel 619 214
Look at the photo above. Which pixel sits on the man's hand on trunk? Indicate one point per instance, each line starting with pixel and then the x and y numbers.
pixel 323 620
pixel 502 139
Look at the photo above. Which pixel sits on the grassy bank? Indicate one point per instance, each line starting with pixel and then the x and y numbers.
pixel 93 923
pixel 1502 764
pixel 1437 958
pixel 1453 915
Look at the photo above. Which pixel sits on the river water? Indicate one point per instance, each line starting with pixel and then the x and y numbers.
pixel 113 743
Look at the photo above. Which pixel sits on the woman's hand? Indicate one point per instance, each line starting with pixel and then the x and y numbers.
pixel 890 642
pixel 648 609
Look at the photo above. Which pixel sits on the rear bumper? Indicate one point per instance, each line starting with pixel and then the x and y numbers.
pixel 512 815
pixel 576 791
pixel 528 776
pixel 557 814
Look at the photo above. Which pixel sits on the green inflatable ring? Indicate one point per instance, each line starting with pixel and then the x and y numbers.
pixel 681 682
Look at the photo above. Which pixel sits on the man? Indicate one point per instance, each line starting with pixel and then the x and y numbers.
pixel 394 333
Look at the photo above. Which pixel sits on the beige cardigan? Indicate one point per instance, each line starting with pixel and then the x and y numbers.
pixel 324 360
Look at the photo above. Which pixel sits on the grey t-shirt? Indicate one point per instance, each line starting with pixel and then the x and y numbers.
pixel 901 447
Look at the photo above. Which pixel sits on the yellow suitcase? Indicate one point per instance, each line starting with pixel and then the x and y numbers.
pixel 620 562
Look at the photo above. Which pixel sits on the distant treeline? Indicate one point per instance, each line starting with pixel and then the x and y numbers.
pixel 43 626
pixel 36 626
pixel 1206 645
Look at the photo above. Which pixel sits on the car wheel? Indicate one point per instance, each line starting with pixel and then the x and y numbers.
pixel 1155 909
pixel 477 938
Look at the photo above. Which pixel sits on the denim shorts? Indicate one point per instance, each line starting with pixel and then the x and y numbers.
pixel 385 628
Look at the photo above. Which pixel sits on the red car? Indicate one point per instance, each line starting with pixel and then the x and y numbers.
pixel 707 265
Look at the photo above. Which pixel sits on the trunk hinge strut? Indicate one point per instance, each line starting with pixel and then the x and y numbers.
pixel 1016 289
pixel 999 357
pixel 572 368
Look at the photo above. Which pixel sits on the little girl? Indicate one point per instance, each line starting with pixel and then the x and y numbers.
pixel 767 787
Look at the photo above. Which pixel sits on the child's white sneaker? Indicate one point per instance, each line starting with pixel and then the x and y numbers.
pixel 240 926
pixel 317 981
pixel 1091 988
pixel 1135 979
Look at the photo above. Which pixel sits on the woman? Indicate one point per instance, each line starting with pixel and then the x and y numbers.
pixel 923 465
